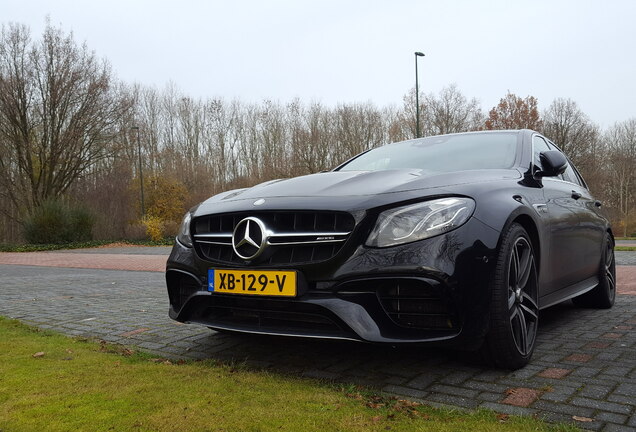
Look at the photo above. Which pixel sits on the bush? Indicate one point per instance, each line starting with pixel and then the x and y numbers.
pixel 154 227
pixel 57 222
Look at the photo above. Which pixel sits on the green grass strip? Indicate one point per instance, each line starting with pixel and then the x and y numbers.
pixel 625 248
pixel 55 383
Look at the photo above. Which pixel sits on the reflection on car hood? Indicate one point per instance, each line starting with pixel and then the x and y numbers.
pixel 362 183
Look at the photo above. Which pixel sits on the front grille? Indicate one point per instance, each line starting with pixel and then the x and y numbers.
pixel 296 237
pixel 416 303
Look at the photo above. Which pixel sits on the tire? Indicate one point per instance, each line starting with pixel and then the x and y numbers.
pixel 514 311
pixel 604 294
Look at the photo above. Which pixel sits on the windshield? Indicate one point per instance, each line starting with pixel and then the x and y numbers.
pixel 442 153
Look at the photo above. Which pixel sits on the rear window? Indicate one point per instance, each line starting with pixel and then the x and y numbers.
pixel 442 153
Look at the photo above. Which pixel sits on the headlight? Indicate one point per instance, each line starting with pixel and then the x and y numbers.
pixel 419 221
pixel 184 231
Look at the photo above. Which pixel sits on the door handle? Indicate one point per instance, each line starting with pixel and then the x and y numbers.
pixel 597 203
pixel 576 195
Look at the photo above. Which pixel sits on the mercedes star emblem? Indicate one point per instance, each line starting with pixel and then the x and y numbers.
pixel 249 238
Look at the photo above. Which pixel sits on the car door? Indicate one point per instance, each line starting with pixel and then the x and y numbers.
pixel 591 233
pixel 562 264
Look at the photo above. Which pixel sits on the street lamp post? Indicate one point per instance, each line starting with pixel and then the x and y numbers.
pixel 417 97
pixel 141 173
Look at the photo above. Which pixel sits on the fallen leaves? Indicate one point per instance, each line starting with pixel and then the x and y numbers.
pixel 582 419
pixel 38 354
pixel 502 418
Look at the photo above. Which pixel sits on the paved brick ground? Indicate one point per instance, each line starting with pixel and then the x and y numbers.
pixel 584 365
pixel 103 260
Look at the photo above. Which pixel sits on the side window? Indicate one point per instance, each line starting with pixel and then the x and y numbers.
pixel 569 174
pixel 538 145
pixel 572 175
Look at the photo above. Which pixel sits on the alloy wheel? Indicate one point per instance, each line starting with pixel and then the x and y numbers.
pixel 522 296
pixel 610 268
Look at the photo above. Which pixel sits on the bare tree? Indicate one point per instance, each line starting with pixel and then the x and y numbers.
pixel 450 112
pixel 59 106
pixel 571 129
pixel 621 145
pixel 579 138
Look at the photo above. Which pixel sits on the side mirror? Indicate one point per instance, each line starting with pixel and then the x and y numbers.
pixel 554 163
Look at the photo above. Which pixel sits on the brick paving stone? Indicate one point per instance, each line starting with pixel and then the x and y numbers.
pixel 405 391
pixel 625 400
pixel 593 425
pixel 552 358
pixel 521 396
pixel 454 391
pixel 490 397
pixel 556 373
pixel 555 397
pixel 423 381
pixel 480 385
pixel 627 389
pixel 612 418
pixel 508 409
pixel 602 405
pixel 612 335
pixel 526 372
pixel 394 379
pixel 597 344
pixel 595 391
pixel 563 408
pixel 611 427
pixel 584 371
pixel 134 332
pixel 447 399
pixel 578 358
pixel 455 378
pixel 617 370
pixel 607 355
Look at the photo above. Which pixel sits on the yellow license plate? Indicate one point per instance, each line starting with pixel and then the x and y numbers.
pixel 252 282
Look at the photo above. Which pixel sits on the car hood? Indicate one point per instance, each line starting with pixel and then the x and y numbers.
pixel 356 185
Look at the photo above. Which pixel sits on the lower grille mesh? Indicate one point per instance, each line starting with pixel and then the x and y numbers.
pixel 415 303
pixel 271 316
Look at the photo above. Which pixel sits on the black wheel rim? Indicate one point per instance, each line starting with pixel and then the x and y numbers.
pixel 522 296
pixel 610 268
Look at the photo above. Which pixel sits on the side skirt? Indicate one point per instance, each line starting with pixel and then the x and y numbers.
pixel 568 292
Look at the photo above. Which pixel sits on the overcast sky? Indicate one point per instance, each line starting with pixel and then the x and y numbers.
pixel 358 51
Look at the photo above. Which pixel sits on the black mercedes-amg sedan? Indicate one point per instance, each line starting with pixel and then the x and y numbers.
pixel 457 239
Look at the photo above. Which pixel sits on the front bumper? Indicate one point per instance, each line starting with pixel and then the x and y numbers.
pixel 430 291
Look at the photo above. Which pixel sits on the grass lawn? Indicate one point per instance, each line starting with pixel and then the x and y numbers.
pixel 50 382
